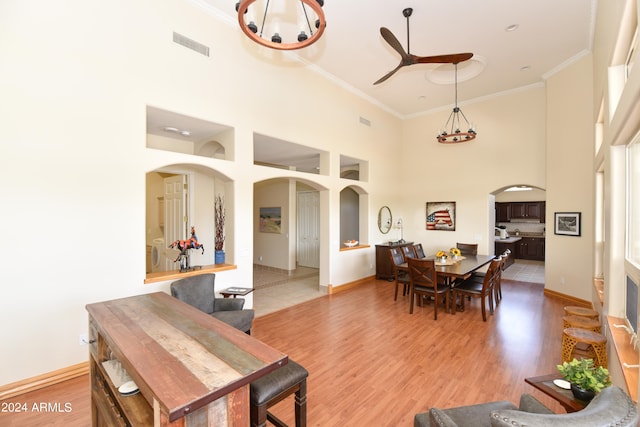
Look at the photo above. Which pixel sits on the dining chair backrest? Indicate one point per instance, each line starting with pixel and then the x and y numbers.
pixel 396 256
pixel 423 272
pixel 419 250
pixel 493 273
pixel 408 252
pixel 468 248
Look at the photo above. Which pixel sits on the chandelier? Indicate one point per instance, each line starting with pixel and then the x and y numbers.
pixel 451 133
pixel 301 25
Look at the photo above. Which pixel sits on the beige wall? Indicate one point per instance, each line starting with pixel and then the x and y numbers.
pixel 509 150
pixel 571 178
pixel 74 159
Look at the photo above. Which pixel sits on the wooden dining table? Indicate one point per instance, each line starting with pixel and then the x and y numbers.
pixel 460 269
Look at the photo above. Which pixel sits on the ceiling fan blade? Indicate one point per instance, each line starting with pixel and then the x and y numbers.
pixel 394 43
pixel 389 74
pixel 453 58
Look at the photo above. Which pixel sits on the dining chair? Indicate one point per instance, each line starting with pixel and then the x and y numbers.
pixel 424 282
pixel 417 247
pixel 408 252
pixel 468 248
pixel 497 292
pixel 400 275
pixel 478 289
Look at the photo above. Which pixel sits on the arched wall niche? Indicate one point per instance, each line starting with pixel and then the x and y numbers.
pixel 178 197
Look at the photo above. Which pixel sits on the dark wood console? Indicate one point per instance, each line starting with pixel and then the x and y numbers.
pixel 384 268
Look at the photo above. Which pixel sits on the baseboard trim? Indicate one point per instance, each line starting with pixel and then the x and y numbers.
pixel 45 380
pixel 335 289
pixel 571 299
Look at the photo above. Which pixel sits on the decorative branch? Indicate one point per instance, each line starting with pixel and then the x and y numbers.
pixel 220 214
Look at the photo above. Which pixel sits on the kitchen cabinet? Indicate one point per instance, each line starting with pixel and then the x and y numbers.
pixel 514 211
pixel 502 246
pixel 503 212
pixel 531 248
pixel 384 267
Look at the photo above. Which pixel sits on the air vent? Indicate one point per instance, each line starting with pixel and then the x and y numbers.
pixel 365 121
pixel 191 44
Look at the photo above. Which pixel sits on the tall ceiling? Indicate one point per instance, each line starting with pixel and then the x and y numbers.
pixel 550 34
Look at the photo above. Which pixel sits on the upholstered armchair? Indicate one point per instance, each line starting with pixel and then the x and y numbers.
pixel 611 407
pixel 199 291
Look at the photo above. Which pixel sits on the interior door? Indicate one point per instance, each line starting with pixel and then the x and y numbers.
pixel 308 229
pixel 175 213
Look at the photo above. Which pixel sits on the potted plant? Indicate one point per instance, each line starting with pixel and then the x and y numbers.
pixel 220 215
pixel 586 379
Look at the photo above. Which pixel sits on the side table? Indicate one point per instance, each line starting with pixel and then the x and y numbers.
pixel 545 384
pixel 234 292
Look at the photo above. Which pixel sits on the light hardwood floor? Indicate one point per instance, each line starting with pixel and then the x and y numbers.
pixel 372 363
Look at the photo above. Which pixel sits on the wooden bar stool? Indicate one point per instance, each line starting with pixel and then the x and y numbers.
pixel 580 322
pixel 574 310
pixel 596 345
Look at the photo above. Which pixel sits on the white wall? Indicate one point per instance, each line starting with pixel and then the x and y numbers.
pixel 75 82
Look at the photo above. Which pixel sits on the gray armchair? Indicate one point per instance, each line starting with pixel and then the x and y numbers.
pixel 199 291
pixel 612 406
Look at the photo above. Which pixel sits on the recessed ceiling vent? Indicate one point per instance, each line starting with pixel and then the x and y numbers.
pixel 191 44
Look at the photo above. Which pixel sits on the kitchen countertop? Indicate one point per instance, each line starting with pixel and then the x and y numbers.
pixel 511 239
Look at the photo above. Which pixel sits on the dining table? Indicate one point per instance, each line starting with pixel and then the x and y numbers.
pixel 459 269
pixel 454 270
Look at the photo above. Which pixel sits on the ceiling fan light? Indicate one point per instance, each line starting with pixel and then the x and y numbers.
pixel 317 23
pixel 253 27
pixel 276 38
pixel 302 36
pixel 320 2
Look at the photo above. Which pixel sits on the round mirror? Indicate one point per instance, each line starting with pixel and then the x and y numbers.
pixel 384 219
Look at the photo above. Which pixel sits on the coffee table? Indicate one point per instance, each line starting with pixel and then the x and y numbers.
pixel 234 292
pixel 545 384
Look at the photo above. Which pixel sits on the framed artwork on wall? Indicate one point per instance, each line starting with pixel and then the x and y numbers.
pixel 441 216
pixel 567 223
pixel 271 220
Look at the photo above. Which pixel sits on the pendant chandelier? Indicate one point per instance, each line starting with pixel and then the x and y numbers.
pixel 298 24
pixel 451 133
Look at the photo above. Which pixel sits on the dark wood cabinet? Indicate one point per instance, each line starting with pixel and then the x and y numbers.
pixel 531 248
pixel 503 212
pixel 384 267
pixel 501 247
pixel 509 211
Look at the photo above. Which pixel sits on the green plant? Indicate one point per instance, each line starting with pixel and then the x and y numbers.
pixel 585 375
pixel 220 215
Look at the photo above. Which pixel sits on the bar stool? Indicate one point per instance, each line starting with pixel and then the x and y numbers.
pixel 274 387
pixel 588 323
pixel 596 347
pixel 574 310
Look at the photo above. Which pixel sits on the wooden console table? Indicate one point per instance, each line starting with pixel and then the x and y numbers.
pixel 192 369
pixel 545 384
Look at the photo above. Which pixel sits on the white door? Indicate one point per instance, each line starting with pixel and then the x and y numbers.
pixel 309 229
pixel 175 214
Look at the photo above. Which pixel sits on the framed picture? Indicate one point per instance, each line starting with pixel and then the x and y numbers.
pixel 567 223
pixel 441 216
pixel 270 220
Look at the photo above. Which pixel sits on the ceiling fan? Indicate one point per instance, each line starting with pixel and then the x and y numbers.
pixel 408 59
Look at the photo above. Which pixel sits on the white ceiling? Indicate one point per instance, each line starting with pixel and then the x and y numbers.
pixel 550 35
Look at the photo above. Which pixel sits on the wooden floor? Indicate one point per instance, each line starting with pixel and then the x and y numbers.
pixel 372 363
